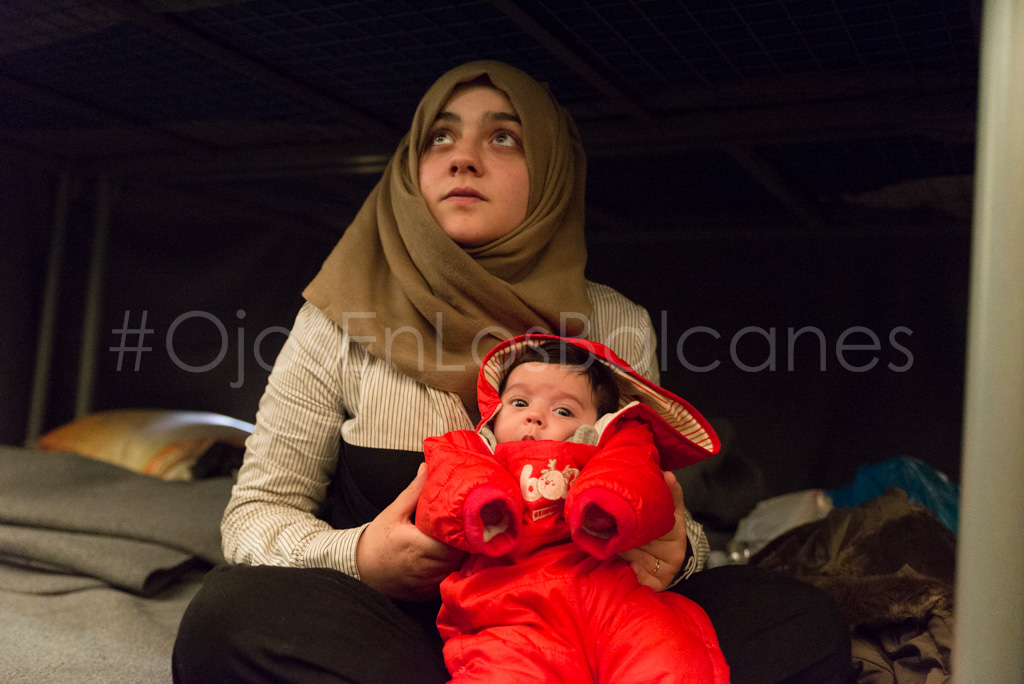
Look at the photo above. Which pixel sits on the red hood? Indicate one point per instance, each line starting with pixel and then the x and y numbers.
pixel 682 434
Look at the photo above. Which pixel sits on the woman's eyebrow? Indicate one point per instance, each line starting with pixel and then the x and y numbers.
pixel 491 116
pixel 502 116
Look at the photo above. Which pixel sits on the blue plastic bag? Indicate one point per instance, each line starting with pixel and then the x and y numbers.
pixel 923 484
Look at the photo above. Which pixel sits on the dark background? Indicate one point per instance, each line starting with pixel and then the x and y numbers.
pixel 753 166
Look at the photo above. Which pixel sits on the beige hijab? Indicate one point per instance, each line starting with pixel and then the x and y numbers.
pixel 405 291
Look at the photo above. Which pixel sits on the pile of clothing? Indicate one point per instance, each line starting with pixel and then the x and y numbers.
pixel 889 564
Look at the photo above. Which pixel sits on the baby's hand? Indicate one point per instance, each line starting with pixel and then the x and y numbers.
pixel 599 523
pixel 496 518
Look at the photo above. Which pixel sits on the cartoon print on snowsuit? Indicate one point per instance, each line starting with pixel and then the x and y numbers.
pixel 540 597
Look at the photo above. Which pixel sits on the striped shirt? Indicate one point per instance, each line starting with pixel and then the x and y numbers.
pixel 326 387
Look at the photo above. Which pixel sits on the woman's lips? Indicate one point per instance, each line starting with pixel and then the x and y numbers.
pixel 463 196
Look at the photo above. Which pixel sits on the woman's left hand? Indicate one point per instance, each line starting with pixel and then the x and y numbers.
pixel 656 563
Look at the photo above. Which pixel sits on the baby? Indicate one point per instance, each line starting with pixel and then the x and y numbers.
pixel 563 473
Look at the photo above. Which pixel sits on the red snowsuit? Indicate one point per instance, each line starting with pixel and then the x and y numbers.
pixel 540 599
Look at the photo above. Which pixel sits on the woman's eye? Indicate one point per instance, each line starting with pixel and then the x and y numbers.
pixel 505 139
pixel 564 412
pixel 440 138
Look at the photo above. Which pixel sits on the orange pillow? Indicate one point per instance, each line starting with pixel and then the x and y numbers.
pixel 156 442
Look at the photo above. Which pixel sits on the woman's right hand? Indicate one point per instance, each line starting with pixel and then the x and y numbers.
pixel 398 560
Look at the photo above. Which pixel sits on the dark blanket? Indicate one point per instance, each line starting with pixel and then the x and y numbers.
pixel 97 566
pixel 889 565
pixel 64 513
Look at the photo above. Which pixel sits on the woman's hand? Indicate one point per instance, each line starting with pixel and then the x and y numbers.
pixel 656 563
pixel 398 560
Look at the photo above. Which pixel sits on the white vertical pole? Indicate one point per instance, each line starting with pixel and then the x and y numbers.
pixel 93 300
pixel 989 619
pixel 48 317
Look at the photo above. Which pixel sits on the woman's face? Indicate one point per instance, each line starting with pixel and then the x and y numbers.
pixel 473 172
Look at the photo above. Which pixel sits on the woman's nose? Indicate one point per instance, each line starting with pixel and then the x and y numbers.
pixel 465 158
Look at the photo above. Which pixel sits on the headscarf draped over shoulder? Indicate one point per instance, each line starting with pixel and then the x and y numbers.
pixel 412 297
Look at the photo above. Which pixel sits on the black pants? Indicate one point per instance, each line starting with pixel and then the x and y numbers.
pixel 267 624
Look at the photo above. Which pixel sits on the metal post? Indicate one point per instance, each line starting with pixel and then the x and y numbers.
pixel 48 317
pixel 989 621
pixel 93 300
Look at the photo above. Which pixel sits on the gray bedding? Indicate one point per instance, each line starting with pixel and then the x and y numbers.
pixel 97 565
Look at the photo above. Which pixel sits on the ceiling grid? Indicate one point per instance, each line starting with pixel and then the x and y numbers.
pixel 812 99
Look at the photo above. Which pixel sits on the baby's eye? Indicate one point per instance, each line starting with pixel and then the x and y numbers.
pixel 519 403
pixel 505 139
pixel 564 412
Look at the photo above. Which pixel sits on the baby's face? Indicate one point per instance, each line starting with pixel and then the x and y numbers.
pixel 544 401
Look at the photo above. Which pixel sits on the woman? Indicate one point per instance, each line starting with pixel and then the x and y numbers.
pixel 474 234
